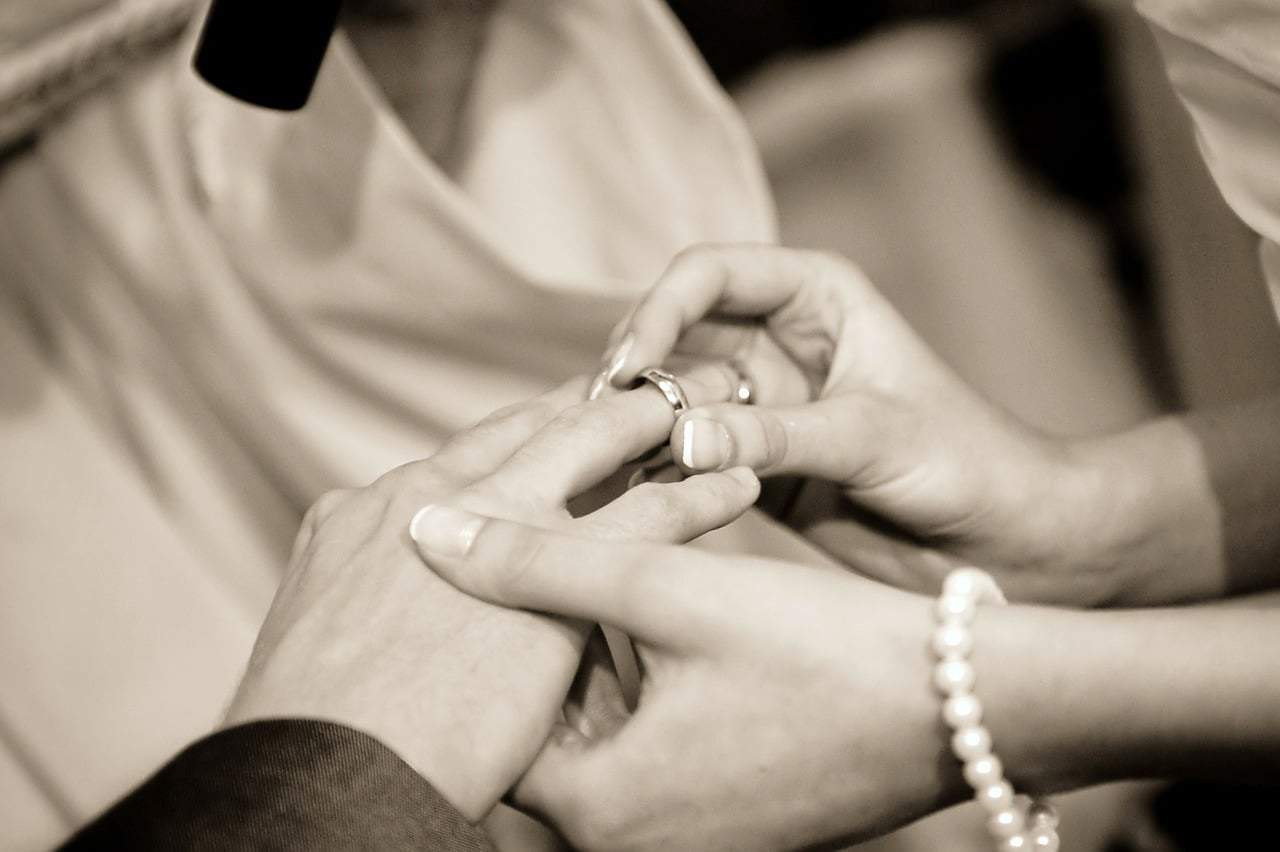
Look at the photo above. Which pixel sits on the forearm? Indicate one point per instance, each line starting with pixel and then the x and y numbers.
pixel 1075 698
pixel 1182 508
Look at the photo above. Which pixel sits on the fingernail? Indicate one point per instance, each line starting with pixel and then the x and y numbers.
pixel 618 359
pixel 598 386
pixel 744 475
pixel 705 444
pixel 444 531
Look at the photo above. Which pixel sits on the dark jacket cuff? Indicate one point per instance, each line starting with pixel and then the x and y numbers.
pixel 284 784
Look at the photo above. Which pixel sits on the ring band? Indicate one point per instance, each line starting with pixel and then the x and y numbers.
pixel 666 385
pixel 671 392
pixel 744 392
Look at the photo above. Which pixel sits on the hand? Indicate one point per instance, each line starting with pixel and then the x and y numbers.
pixel 786 706
pixel 848 393
pixel 464 691
pixel 783 705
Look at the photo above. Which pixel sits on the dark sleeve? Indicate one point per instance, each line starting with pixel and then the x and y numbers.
pixel 283 784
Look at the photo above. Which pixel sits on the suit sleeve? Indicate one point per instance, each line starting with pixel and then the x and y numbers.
pixel 283 784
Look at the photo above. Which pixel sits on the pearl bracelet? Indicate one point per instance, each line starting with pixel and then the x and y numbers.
pixel 1016 822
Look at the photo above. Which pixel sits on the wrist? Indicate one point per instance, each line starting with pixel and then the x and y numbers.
pixel 1139 512
pixel 1053 496
pixel 1074 698
pixel 935 774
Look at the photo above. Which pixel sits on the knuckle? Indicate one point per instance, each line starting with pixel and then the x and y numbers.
pixel 541 408
pixel 325 506
pixel 601 420
pixel 774 439
pixel 603 823
pixel 316 517
pixel 658 502
pixel 512 565
pixel 708 260
pixel 718 493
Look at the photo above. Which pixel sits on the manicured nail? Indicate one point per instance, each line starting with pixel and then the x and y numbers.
pixel 705 444
pixel 444 531
pixel 598 386
pixel 618 359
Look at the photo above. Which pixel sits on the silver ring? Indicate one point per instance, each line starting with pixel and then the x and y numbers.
pixel 744 392
pixel 666 385
pixel 671 392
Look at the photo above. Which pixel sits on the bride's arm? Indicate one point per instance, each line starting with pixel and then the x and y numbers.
pixel 1076 698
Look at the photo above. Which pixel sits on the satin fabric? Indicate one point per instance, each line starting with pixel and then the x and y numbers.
pixel 1223 58
pixel 212 314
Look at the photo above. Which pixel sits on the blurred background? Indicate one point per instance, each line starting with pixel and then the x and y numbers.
pixel 1017 177
pixel 962 146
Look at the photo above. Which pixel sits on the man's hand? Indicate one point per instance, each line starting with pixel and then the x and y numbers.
pixel 464 691
pixel 782 706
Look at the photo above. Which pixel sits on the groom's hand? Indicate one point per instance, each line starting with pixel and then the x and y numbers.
pixel 465 691
pixel 783 705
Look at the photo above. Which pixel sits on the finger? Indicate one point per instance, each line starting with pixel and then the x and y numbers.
pixel 556 788
pixel 775 376
pixel 831 439
pixel 732 280
pixel 627 585
pixel 595 706
pixel 677 512
pixel 586 443
pixel 479 450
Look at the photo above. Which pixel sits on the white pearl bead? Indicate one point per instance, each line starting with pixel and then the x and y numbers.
pixel 953 676
pixel 1006 823
pixel 971 743
pixel 1017 843
pixel 952 640
pixel 1045 840
pixel 962 711
pixel 964 582
pixel 996 797
pixel 955 609
pixel 1042 815
pixel 984 772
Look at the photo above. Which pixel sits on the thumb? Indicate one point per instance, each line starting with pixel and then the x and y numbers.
pixel 625 585
pixel 831 439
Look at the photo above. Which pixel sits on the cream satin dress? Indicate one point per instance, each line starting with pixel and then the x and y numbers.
pixel 211 314
pixel 1223 58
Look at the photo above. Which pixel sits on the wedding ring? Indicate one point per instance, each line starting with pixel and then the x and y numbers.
pixel 671 392
pixel 666 385
pixel 744 391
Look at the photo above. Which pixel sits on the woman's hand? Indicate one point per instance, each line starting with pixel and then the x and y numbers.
pixel 785 706
pixel 782 704
pixel 847 392
pixel 464 691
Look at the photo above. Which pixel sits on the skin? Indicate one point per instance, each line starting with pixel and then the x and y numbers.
pixel 782 705
pixel 424 57
pixel 788 706
pixel 466 692
pixel 1178 509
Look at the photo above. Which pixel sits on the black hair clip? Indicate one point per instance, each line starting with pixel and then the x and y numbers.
pixel 266 52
